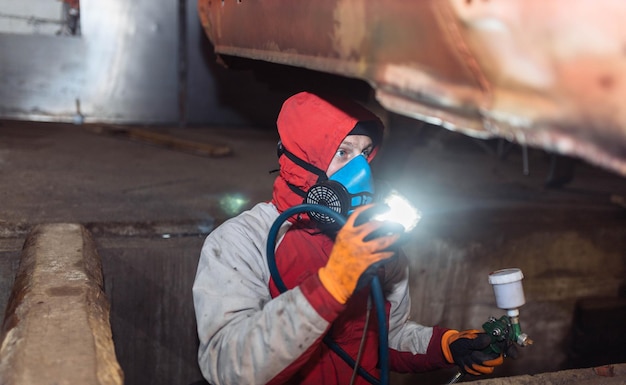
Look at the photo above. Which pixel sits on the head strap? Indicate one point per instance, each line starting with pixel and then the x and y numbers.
pixel 307 166
pixel 321 174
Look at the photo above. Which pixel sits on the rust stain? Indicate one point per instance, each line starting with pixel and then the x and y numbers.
pixel 606 81
pixel 604 371
pixel 350 28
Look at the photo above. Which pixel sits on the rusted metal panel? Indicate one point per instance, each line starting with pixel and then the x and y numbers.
pixel 549 74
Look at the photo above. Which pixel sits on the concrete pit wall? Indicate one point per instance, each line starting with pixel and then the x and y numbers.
pixel 148 278
pixel 9 262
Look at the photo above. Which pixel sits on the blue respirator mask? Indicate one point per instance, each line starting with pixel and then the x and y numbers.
pixel 349 187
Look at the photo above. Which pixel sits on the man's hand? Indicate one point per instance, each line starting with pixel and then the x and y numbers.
pixel 360 243
pixel 467 350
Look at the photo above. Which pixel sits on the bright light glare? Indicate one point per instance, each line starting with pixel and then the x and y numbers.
pixel 400 211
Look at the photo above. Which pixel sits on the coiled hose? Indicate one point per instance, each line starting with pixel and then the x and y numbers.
pixel 376 291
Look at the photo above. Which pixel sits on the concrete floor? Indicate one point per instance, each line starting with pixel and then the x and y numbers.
pixel 149 209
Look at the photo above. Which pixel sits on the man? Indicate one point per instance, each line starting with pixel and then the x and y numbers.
pixel 253 332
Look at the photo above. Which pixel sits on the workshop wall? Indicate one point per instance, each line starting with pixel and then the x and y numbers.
pixel 140 62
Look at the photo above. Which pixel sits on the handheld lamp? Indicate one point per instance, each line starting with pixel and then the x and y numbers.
pixel 400 211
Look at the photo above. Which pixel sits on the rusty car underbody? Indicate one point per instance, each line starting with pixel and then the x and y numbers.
pixel 546 74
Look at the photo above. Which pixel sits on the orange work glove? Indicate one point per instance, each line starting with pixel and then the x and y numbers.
pixel 467 350
pixel 359 244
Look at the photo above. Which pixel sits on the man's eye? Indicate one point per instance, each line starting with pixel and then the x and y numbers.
pixel 340 153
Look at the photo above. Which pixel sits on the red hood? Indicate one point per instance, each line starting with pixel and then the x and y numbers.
pixel 312 128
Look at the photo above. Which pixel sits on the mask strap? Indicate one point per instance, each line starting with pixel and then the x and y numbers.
pixel 296 190
pixel 321 174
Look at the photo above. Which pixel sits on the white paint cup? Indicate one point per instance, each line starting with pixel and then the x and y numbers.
pixel 507 286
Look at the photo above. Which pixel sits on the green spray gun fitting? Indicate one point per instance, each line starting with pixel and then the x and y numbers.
pixel 504 330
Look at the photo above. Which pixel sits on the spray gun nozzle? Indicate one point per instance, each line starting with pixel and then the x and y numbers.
pixel 523 340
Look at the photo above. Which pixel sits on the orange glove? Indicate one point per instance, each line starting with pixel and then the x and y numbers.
pixel 356 248
pixel 466 349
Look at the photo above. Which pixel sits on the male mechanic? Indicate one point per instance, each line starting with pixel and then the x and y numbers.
pixel 251 332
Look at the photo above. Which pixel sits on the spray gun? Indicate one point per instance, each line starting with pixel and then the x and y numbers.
pixel 507 287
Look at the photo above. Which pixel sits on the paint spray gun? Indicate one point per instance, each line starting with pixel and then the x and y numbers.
pixel 507 286
pixel 506 330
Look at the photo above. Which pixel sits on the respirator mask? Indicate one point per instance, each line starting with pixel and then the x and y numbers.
pixel 349 187
pixel 352 186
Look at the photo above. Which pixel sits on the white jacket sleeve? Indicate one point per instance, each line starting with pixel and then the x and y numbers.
pixel 404 335
pixel 246 337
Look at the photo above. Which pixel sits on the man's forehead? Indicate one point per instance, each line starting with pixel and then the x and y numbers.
pixel 356 140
